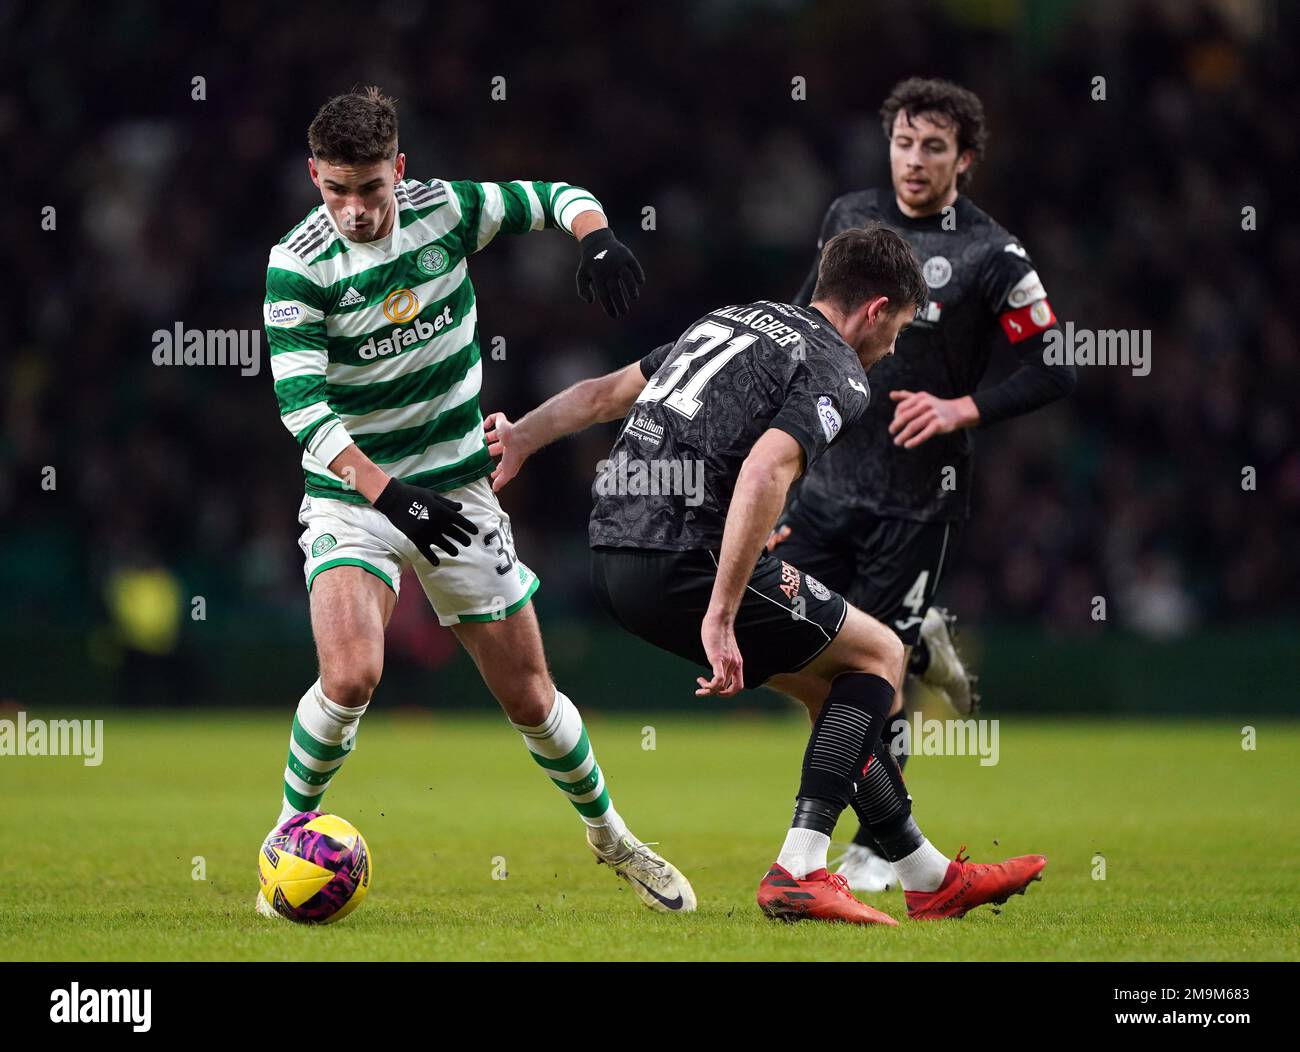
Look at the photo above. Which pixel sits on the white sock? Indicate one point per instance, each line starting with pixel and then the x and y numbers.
pixel 803 852
pixel 609 829
pixel 320 726
pixel 922 870
pixel 560 746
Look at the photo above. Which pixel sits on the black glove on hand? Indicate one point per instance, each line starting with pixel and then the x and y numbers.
pixel 610 271
pixel 427 518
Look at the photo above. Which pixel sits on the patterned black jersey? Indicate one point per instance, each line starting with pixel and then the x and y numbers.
pixel 983 291
pixel 733 374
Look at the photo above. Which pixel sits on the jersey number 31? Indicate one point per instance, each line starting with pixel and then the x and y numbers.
pixel 686 399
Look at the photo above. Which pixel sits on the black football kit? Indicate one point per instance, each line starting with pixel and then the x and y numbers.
pixel 873 520
pixel 661 498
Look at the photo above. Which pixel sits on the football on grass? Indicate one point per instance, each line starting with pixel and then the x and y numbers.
pixel 315 868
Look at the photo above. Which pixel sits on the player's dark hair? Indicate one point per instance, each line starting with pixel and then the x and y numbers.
pixel 946 104
pixel 357 128
pixel 864 262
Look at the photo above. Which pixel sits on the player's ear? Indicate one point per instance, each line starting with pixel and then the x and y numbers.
pixel 399 167
pixel 876 309
pixel 311 170
pixel 965 160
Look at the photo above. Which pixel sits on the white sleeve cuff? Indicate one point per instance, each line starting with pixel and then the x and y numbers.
pixel 330 439
pixel 570 203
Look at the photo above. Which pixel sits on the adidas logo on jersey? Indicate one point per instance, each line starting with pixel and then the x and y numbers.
pixel 351 298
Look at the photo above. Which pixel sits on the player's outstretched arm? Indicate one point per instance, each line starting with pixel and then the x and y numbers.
pixel 574 409
pixel 773 464
pixel 607 270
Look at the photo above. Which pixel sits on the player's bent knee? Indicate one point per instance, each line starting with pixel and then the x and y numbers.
pixel 876 649
pixel 529 703
pixel 351 683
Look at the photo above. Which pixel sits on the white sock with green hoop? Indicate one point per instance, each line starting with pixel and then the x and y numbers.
pixel 560 746
pixel 323 735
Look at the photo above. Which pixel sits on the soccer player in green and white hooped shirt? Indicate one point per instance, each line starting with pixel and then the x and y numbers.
pixel 373 331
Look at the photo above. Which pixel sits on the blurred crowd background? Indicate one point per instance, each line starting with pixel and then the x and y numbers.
pixel 176 483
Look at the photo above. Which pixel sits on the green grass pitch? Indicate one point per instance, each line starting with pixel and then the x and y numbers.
pixel 1198 836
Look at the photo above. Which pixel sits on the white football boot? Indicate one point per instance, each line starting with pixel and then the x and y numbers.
pixel 656 881
pixel 264 908
pixel 865 870
pixel 946 675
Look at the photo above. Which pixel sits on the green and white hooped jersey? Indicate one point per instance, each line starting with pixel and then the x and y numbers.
pixel 379 345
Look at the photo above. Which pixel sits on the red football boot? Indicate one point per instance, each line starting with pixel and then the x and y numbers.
pixel 969 884
pixel 819 896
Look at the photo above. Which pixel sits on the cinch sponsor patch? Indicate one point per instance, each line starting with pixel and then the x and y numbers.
pixel 284 314
pixel 1024 322
pixel 829 416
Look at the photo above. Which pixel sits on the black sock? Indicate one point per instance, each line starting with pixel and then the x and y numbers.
pixel 863 838
pixel 843 737
pixel 884 808
pixel 893 739
pixel 899 738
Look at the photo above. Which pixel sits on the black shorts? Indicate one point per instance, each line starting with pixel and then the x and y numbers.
pixel 785 619
pixel 888 568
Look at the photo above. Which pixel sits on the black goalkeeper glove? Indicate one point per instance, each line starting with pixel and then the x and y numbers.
pixel 609 272
pixel 427 518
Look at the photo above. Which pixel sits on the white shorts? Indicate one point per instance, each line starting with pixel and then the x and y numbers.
pixel 484 582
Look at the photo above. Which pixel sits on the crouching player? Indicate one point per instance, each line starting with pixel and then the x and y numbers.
pixel 755 394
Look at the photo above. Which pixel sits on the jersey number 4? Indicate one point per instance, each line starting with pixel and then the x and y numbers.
pixel 686 399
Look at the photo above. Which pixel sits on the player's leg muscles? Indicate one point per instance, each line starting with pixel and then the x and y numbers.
pixel 810 689
pixel 863 644
pixel 349 611
pixel 510 658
